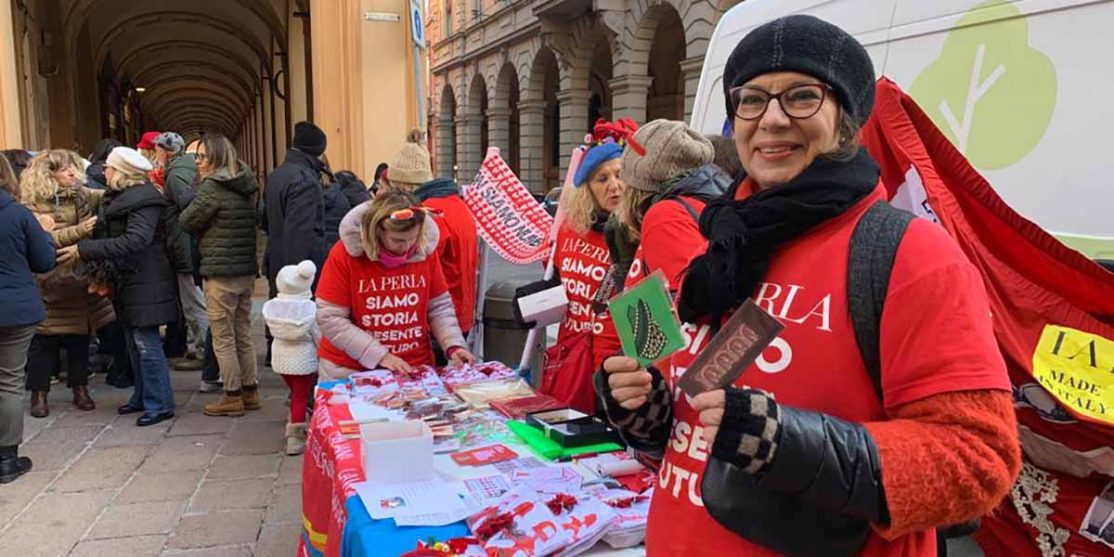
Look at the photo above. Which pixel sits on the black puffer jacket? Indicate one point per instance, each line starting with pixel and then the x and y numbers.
pixel 293 213
pixel 336 206
pixel 131 235
pixel 353 188
pixel 222 216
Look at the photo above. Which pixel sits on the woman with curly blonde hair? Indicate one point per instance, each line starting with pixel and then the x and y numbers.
pixel 581 259
pixel 52 187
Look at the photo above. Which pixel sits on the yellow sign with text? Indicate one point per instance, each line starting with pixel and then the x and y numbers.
pixel 1078 369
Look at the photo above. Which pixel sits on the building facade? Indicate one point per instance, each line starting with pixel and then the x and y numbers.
pixel 531 76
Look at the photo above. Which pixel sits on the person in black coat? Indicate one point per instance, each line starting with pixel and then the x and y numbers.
pixel 293 209
pixel 352 187
pixel 25 248
pixel 336 206
pixel 94 174
pixel 293 212
pixel 130 241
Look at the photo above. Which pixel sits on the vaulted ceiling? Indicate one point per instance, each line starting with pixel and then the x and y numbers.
pixel 202 62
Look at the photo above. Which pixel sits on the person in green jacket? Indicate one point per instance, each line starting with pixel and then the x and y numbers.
pixel 223 217
pixel 180 180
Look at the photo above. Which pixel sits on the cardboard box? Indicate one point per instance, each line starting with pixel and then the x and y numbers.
pixel 397 452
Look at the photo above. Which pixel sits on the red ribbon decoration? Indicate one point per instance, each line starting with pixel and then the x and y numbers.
pixel 621 130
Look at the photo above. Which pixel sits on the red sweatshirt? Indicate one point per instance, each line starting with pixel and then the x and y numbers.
pixel 936 338
pixel 582 260
pixel 392 305
pixel 458 251
pixel 670 240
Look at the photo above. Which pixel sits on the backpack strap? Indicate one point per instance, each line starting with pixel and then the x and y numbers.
pixel 688 207
pixel 874 246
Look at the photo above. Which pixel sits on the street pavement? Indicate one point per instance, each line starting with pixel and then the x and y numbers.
pixel 195 486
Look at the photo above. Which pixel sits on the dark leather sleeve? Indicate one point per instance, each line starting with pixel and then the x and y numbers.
pixel 828 462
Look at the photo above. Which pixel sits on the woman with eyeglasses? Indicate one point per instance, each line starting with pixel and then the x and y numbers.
pixel 222 217
pixel 381 293
pixel 808 452
pixel 52 188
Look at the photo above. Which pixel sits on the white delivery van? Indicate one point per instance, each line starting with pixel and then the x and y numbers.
pixel 1024 88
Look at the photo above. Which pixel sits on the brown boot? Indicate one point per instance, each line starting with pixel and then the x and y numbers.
pixel 82 400
pixel 251 398
pixel 230 404
pixel 295 439
pixel 39 408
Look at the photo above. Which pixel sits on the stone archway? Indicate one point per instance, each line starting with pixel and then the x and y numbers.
pixel 503 116
pixel 666 95
pixel 542 111
pixel 599 78
pixel 652 71
pixel 446 134
pixel 475 128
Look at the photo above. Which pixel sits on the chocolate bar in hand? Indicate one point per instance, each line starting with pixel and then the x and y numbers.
pixel 741 340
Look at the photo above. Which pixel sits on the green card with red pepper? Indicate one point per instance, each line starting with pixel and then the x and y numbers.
pixel 643 316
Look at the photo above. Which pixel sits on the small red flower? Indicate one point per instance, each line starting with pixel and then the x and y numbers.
pixel 561 502
pixel 494 525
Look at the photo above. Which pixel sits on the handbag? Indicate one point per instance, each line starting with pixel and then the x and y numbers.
pixel 567 369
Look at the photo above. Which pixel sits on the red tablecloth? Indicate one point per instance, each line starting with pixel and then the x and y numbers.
pixel 331 465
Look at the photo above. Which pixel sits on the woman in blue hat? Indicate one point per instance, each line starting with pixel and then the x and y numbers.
pixel 581 260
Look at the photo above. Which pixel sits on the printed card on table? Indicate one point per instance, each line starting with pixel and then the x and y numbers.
pixel 644 319
pixel 732 350
pixel 484 455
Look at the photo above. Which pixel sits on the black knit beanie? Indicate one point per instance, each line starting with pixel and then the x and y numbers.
pixel 809 45
pixel 309 139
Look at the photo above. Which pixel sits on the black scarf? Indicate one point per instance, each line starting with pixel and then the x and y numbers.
pixel 742 235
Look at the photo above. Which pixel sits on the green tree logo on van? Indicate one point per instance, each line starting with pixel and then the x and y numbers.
pixel 990 92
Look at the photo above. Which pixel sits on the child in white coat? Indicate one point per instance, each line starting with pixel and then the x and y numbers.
pixel 292 318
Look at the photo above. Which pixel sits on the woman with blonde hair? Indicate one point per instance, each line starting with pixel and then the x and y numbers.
pixel 222 217
pixel 381 294
pixel 581 261
pixel 130 239
pixel 52 188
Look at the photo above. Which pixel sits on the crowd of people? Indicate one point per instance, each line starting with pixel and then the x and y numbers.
pixel 154 262
pixel 868 450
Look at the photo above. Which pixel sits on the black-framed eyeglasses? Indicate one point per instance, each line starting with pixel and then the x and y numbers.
pixel 201 156
pixel 799 102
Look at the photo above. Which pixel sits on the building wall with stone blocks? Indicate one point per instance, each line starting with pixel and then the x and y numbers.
pixel 531 76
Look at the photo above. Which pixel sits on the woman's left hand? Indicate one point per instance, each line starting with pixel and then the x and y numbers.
pixel 462 356
pixel 711 406
pixel 742 426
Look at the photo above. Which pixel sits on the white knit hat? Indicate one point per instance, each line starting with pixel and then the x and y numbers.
pixel 296 279
pixel 128 158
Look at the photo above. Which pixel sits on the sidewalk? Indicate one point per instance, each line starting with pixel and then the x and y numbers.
pixel 193 486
